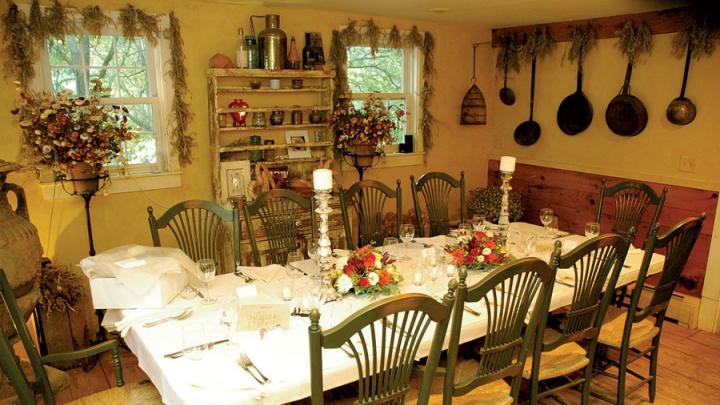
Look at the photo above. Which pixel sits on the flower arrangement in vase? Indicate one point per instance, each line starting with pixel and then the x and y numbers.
pixel 370 126
pixel 480 251
pixel 66 134
pixel 366 272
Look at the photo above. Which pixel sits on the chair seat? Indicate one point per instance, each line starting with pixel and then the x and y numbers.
pixel 612 330
pixel 136 393
pixel 562 361
pixel 59 380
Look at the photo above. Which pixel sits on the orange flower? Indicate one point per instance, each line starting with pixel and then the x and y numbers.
pixel 385 277
pixel 369 261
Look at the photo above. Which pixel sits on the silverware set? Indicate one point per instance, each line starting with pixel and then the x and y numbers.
pixel 179 316
pixel 246 364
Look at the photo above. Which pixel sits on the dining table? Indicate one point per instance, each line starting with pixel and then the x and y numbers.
pixel 282 353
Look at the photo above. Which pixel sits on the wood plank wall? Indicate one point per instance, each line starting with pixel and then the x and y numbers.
pixel 573 197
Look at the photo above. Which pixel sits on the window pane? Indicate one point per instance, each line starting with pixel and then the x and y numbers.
pixel 133 83
pixel 102 50
pixel 142 149
pixel 108 76
pixel 401 124
pixel 131 53
pixel 381 74
pixel 68 79
pixel 140 117
pixel 60 54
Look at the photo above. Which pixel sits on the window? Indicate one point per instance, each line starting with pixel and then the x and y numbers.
pixel 393 76
pixel 133 69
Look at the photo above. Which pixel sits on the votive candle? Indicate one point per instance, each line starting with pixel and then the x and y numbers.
pixel 418 278
pixel 507 164
pixel 286 293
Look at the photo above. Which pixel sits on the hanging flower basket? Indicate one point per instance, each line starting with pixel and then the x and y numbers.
pixel 84 178
pixel 364 153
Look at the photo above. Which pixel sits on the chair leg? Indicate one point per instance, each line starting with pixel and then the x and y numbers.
pixel 653 368
pixel 622 374
pixel 586 384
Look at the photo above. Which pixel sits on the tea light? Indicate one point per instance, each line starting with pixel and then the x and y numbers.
pixel 322 179
pixel 418 278
pixel 286 294
pixel 507 164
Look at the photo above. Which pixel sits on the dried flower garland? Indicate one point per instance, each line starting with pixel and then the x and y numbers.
pixel 19 51
pixel 634 42
pixel 94 20
pixel 374 37
pixel 701 33
pixel 136 22
pixel 182 140
pixel 582 40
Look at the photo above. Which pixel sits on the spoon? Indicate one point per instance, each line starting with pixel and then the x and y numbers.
pixel 182 315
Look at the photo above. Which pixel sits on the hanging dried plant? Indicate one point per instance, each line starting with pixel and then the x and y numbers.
pixel 135 22
pixel 338 57
pixel 394 39
pixel 634 42
pixel 182 141
pixel 372 36
pixel 428 119
pixel 19 51
pixel 57 21
pixel 94 20
pixel 429 64
pixel 581 41
pixel 60 290
pixel 36 23
pixel 414 38
pixel 538 45
pixel 508 58
pixel 702 33
pixel 350 34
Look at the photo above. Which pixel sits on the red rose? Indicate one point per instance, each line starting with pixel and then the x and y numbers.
pixel 491 258
pixel 369 261
pixel 490 244
pixel 347 270
pixel 475 252
pixel 469 260
pixel 363 282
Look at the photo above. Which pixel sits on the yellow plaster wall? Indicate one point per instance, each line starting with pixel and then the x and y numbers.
pixel 210 27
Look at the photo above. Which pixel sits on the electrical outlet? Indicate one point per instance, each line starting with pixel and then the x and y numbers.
pixel 687 164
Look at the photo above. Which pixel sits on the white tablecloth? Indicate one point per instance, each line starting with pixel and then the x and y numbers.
pixel 284 355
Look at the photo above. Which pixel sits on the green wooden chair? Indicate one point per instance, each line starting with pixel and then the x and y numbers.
pixel 198 227
pixel 278 211
pixel 507 294
pixel 631 200
pixel 368 198
pixel 626 331
pixel 384 338
pixel 36 379
pixel 435 188
pixel 595 265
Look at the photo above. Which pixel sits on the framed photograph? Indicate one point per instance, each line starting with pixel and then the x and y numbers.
pixel 234 178
pixel 298 137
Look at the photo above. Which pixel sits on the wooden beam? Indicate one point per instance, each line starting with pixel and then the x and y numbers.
pixel 660 22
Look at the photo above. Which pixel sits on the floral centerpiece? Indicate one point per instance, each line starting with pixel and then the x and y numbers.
pixel 61 132
pixel 480 251
pixel 372 125
pixel 366 272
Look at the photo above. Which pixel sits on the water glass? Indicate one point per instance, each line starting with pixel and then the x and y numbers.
pixel 592 229
pixel 529 244
pixel 193 340
pixel 478 221
pixel 407 233
pixel 464 230
pixel 554 227
pixel 390 245
pixel 207 274
pixel 546 217
pixel 228 309
pixel 312 246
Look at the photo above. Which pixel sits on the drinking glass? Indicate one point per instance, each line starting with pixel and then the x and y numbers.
pixel 478 221
pixel 530 244
pixel 207 274
pixel 592 229
pixel 554 226
pixel 312 249
pixel 390 245
pixel 434 273
pixel 464 230
pixel 193 340
pixel 228 309
pixel 546 217
pixel 407 232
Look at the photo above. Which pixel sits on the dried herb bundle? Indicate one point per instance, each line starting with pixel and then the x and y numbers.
pixel 19 52
pixel 182 141
pixel 581 41
pixel 37 23
pixel 634 42
pixel 372 36
pixel 428 119
pixel 508 58
pixel 135 22
pixel 701 33
pixel 538 45
pixel 60 290
pixel 414 38
pixel 394 39
pixel 350 34
pixel 94 20
pixel 57 21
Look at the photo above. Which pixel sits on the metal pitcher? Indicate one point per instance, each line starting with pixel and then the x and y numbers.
pixel 272 43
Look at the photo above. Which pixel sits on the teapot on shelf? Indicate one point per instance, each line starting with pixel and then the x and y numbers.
pixel 238 117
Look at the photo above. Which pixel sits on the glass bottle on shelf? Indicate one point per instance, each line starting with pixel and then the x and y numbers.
pixel 308 58
pixel 317 49
pixel 252 51
pixel 241 55
pixel 293 59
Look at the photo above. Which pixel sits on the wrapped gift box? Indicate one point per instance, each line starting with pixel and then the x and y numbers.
pixel 108 293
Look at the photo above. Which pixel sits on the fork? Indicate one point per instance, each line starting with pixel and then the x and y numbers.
pixel 244 359
pixel 245 366
pixel 244 276
pixel 179 316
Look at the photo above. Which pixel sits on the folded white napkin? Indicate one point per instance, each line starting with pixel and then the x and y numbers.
pixel 219 370
pixel 265 274
pixel 440 240
pixel 565 276
pixel 140 316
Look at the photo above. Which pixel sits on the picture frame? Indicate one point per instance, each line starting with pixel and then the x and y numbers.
pixel 234 179
pixel 297 137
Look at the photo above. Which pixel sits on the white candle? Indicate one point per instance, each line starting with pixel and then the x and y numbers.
pixel 322 179
pixel 286 293
pixel 507 164
pixel 418 279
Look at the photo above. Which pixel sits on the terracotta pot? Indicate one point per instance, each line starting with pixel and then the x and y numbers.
pixel 364 153
pixel 84 178
pixel 20 248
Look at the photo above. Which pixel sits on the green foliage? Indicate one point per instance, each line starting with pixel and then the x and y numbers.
pixel 487 201
pixel 368 73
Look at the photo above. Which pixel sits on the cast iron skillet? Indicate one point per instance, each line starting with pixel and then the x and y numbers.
pixel 626 115
pixel 528 132
pixel 575 112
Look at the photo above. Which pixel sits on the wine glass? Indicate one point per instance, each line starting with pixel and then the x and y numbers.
pixel 390 245
pixel 312 249
pixel 546 217
pixel 530 244
pixel 463 230
pixel 592 229
pixel 207 274
pixel 478 221
pixel 228 313
pixel 407 232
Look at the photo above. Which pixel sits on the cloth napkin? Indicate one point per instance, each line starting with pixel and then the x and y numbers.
pixel 219 370
pixel 265 274
pixel 440 240
pixel 565 276
pixel 139 317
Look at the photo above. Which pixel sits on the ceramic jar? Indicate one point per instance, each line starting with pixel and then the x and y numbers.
pixel 277 117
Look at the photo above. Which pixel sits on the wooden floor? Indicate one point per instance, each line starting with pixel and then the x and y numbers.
pixel 689 372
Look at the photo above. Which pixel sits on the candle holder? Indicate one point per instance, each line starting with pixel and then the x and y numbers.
pixel 325 292
pixel 504 220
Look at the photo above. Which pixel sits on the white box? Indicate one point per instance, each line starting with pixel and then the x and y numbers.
pixel 109 293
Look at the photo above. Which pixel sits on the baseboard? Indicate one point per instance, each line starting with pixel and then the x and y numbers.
pixel 683 308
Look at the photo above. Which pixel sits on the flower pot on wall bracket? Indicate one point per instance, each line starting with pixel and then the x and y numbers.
pixel 84 178
pixel 362 156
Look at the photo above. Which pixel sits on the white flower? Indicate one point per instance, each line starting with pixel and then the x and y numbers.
pixel 341 262
pixel 480 259
pixel 486 251
pixel 373 278
pixel 343 284
pixel 463 239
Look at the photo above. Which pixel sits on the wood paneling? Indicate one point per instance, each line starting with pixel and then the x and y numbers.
pixel 573 197
pixel 660 22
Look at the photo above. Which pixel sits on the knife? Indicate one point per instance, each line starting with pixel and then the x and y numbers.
pixel 180 353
